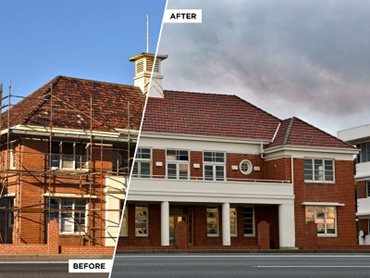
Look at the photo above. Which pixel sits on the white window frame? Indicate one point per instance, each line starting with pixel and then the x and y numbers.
pixel 325 234
pixel 236 222
pixel 217 234
pixel 146 222
pixel 139 160
pixel 367 184
pixel 253 222
pixel 178 164
pixel 214 165
pixel 323 171
pixel 84 231
pixel 250 167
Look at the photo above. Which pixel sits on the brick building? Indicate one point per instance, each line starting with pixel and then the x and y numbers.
pixel 360 137
pixel 65 155
pixel 214 171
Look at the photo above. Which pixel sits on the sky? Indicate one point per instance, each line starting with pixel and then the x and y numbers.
pixel 306 58
pixel 90 39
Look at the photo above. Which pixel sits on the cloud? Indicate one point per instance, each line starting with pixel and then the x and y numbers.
pixel 305 58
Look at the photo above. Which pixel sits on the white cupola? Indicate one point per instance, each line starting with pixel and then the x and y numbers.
pixel 144 70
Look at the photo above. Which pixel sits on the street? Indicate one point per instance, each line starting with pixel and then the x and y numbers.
pixel 243 265
pixel 40 269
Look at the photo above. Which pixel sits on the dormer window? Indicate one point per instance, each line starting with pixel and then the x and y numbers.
pixel 68 156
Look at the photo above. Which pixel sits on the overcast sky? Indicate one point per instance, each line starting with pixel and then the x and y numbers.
pixel 306 58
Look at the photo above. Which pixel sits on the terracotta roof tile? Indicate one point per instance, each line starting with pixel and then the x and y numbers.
pixel 296 132
pixel 208 114
pixel 71 105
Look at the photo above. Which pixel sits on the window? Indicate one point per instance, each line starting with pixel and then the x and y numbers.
pixel 246 167
pixel 233 222
pixel 364 155
pixel 70 213
pixel 67 155
pixel 214 166
pixel 324 217
pixel 177 164
pixel 142 166
pixel 367 188
pixel 141 221
pixel 248 221
pixel 212 221
pixel 318 170
pixel 124 225
pixel 10 212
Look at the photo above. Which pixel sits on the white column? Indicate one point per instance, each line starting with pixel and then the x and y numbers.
pixel 286 226
pixel 165 223
pixel 226 241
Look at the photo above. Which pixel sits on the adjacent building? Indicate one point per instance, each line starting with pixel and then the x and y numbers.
pixel 360 137
pixel 215 171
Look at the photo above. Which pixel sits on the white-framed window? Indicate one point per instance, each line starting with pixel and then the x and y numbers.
pixel 319 170
pixel 212 222
pixel 143 162
pixel 364 155
pixel 246 167
pixel 214 166
pixel 141 221
pixel 325 219
pixel 68 155
pixel 233 222
pixel 124 225
pixel 367 184
pixel 248 221
pixel 71 214
pixel 177 164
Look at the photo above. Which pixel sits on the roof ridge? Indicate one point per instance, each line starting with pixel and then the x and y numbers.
pixel 52 83
pixel 97 81
pixel 288 131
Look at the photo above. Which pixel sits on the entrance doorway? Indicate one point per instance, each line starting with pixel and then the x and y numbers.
pixel 178 214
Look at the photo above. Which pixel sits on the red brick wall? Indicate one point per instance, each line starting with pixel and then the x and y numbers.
pixel 361 189
pixel 277 169
pixel 159 156
pixel 196 157
pixel 235 159
pixel 342 192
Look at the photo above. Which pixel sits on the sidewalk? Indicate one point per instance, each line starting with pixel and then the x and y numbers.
pixel 48 258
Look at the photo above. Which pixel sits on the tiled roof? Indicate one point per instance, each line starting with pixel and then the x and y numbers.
pixel 208 114
pixel 71 105
pixel 296 132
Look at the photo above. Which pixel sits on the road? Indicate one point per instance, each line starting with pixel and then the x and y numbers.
pixel 243 265
pixel 41 269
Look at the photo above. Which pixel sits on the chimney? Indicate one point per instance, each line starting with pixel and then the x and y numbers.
pixel 143 70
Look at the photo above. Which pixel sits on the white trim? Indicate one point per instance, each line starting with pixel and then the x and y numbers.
pixel 69 195
pixel 312 149
pixel 206 138
pixel 327 204
pixel 12 194
pixel 69 132
pixel 276 131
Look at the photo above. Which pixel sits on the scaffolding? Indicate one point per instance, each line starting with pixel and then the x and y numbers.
pixel 88 180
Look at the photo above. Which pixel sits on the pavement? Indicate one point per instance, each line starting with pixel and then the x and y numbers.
pixel 307 265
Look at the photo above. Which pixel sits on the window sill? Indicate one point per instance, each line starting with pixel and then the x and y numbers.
pixel 327 235
pixel 320 182
pixel 212 235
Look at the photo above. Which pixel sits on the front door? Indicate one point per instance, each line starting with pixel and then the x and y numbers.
pixel 174 219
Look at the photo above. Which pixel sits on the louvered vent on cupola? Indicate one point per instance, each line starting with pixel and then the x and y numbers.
pixel 143 73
